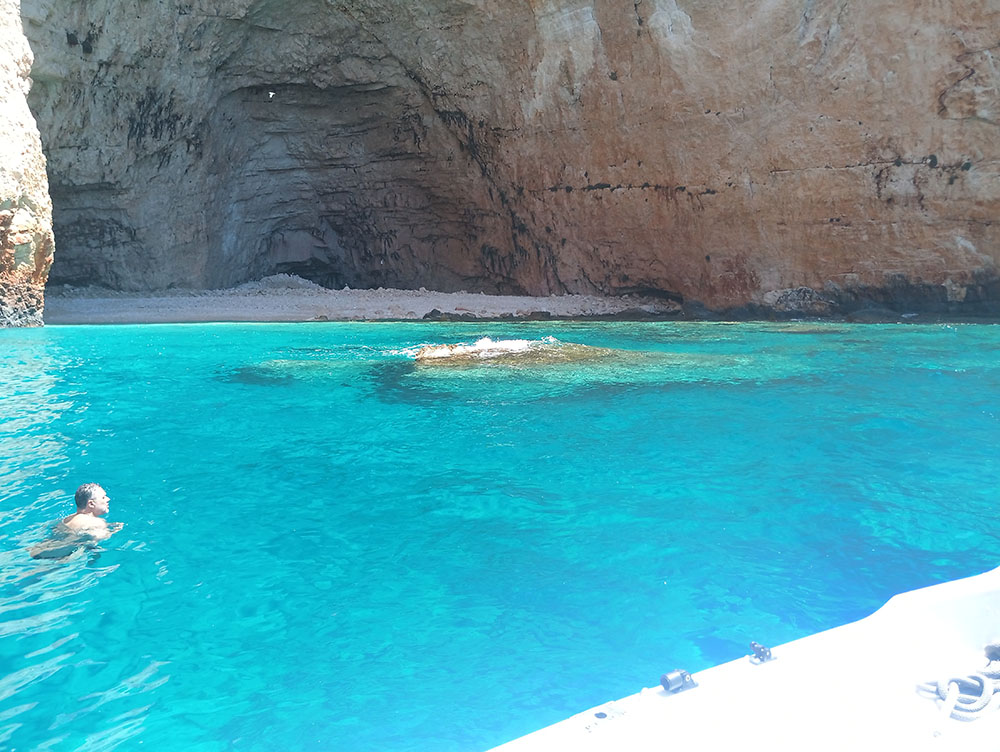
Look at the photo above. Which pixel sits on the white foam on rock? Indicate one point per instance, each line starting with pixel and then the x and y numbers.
pixel 482 348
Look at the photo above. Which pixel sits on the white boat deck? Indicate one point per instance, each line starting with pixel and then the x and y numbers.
pixel 849 688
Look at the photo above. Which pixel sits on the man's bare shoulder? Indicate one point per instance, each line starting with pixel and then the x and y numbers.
pixel 87 524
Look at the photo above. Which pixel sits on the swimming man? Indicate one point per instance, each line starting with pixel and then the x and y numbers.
pixel 83 528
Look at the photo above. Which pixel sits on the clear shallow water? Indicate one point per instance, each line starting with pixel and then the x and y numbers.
pixel 327 546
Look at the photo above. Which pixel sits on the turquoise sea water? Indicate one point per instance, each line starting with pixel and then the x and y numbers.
pixel 330 547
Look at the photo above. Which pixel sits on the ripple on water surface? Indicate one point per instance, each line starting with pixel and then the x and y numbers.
pixel 332 544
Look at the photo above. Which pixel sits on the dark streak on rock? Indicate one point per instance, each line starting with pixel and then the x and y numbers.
pixel 154 116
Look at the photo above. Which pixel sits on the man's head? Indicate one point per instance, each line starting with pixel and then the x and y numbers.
pixel 91 498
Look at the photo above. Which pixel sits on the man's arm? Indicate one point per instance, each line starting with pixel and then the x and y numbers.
pixel 54 549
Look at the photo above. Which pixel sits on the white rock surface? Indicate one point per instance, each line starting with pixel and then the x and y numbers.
pixel 25 207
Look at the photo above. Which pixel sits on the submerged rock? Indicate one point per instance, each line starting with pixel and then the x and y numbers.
pixel 874 316
pixel 547 350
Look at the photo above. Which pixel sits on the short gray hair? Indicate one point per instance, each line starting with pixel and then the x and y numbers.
pixel 85 493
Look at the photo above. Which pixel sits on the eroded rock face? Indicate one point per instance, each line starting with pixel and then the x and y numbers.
pixel 25 208
pixel 808 156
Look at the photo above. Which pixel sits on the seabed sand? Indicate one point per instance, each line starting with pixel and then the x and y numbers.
pixel 288 298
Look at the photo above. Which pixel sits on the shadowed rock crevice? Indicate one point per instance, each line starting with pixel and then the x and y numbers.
pixel 250 148
pixel 349 185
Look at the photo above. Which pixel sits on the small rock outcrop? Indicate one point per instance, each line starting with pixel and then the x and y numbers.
pixel 25 207
pixel 797 157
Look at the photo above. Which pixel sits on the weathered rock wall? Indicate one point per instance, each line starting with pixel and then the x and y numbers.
pixel 25 208
pixel 790 155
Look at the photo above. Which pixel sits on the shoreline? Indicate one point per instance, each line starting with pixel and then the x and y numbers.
pixel 283 298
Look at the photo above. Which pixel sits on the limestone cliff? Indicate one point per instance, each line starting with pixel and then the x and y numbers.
pixel 788 155
pixel 25 208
